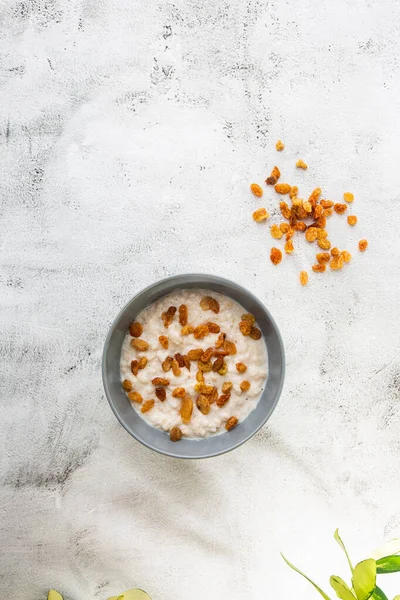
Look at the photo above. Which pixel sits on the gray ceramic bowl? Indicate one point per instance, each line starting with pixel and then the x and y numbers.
pixel 159 440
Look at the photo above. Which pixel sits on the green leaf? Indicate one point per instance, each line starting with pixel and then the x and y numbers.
pixel 343 547
pixel 379 594
pixel 53 595
pixel 388 564
pixel 341 588
pixel 392 547
pixel 305 577
pixel 364 579
pixel 133 594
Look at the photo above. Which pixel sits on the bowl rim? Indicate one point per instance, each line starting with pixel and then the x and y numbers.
pixel 114 323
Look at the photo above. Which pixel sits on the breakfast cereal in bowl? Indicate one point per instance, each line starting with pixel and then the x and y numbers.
pixel 194 363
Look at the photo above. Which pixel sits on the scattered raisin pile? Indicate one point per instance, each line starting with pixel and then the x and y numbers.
pixel 308 217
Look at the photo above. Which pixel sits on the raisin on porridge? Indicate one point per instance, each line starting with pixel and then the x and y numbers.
pixel 183 361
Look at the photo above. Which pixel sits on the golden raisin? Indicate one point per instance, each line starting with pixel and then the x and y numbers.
pixel 300 226
pixel 314 196
pixel 245 327
pixel 183 315
pixel 127 385
pixel 135 329
pixel 335 251
pixel 340 208
pixel 245 385
pixel 320 222
pixel 175 434
pixel 223 399
pixel 328 212
pixel 318 211
pixel 186 409
pixel 362 245
pixel 352 219
pixel 204 366
pixel 336 263
pixel 220 352
pixel 273 178
pixel 297 202
pixel 346 256
pixel 203 404
pixel 275 256
pixel 139 344
pixel 207 354
pixel 220 340
pixel 282 188
pixel 175 367
pixel 148 405
pixel 284 227
pixel 303 277
pixel 209 303
pixel 195 354
pixel 276 232
pixel 187 329
pixel 275 173
pixel 168 316
pixel 326 203
pixel 348 197
pixel 161 393
pixel 322 234
pixel 179 359
pixel 224 369
pixel 319 268
pixel 160 381
pixel 217 364
pixel 324 244
pixel 227 386
pixel 213 396
pixel 213 327
pixel 163 341
pixel 186 362
pixel 135 397
pixel 301 164
pixel 230 347
pixel 200 331
pixel 256 189
pixel 279 145
pixel 323 257
pixel 301 213
pixel 307 206
pixel 204 389
pixel 260 214
pixel 311 234
pixel 285 210
pixel 143 362
pixel 255 333
pixel 294 190
pixel 241 367
pixel 200 376
pixel 249 317
pixel 135 367
pixel 231 423
pixel 289 247
pixel 167 364
pixel 289 234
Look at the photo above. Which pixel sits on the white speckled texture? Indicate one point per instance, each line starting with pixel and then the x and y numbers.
pixel 130 131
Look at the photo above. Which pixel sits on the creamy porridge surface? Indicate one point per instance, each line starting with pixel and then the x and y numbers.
pixel 167 414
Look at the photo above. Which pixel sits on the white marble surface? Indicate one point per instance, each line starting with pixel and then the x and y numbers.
pixel 130 131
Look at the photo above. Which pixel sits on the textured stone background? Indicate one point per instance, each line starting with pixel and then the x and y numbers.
pixel 130 131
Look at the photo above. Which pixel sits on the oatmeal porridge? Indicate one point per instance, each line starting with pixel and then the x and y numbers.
pixel 194 364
